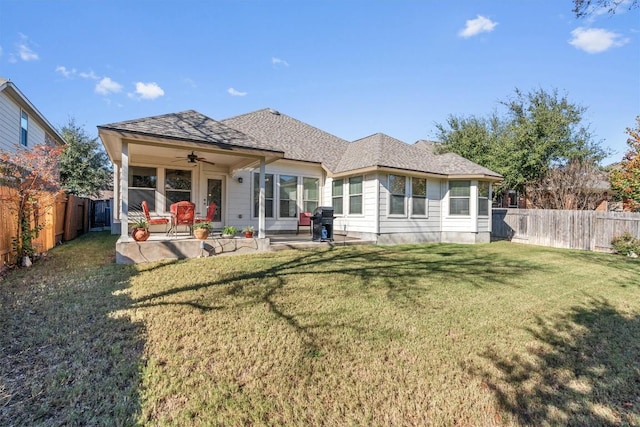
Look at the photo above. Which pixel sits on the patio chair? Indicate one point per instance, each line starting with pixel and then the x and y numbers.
pixel 154 221
pixel 304 220
pixel 211 210
pixel 182 213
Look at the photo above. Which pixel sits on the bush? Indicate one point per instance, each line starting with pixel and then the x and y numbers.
pixel 626 244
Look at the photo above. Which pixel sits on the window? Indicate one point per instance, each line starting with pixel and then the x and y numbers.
pixel 268 194
pixel 310 194
pixel 355 195
pixel 418 196
pixel 483 198
pixel 459 197
pixel 24 128
pixel 177 186
pixel 142 186
pixel 397 191
pixel 337 193
pixel 288 185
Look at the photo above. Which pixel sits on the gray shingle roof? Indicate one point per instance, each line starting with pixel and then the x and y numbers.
pixel 298 140
pixel 188 126
pixel 269 130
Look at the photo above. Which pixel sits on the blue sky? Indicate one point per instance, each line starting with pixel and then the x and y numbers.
pixel 352 68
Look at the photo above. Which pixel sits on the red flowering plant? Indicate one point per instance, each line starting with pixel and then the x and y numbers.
pixel 32 176
pixel 625 179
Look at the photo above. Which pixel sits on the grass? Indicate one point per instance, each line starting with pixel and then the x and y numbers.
pixel 496 334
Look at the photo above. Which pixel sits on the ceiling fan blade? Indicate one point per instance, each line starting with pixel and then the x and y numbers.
pixel 207 161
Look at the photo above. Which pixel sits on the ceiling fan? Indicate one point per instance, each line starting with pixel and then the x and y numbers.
pixel 193 159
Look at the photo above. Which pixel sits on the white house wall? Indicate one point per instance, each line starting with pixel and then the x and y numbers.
pixel 240 202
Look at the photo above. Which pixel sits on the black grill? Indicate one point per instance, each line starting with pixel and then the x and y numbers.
pixel 323 223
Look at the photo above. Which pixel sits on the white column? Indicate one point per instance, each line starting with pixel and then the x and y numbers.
pixel 124 192
pixel 261 203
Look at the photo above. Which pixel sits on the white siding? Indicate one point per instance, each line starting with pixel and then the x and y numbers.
pixel 367 222
pixel 240 196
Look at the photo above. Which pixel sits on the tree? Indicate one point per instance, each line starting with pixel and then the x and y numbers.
pixel 625 179
pixel 33 176
pixel 84 166
pixel 583 8
pixel 539 131
pixel 578 185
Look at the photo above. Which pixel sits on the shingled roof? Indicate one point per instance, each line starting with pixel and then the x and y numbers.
pixel 189 126
pixel 298 140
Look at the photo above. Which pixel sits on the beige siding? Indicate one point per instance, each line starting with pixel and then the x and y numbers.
pixel 10 126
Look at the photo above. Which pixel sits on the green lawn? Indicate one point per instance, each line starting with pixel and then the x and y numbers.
pixel 495 334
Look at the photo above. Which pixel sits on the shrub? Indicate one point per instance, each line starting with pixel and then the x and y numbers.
pixel 626 244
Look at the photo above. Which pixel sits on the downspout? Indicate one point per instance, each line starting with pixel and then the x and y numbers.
pixel 377 205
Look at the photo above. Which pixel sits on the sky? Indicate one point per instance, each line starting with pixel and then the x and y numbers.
pixel 351 68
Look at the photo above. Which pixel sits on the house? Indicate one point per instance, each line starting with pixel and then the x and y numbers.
pixel 264 168
pixel 21 124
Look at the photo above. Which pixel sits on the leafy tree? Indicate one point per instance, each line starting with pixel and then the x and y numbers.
pixel 84 166
pixel 583 8
pixel 539 131
pixel 33 175
pixel 625 179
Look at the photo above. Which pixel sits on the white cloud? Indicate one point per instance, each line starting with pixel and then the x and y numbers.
pixel 595 40
pixel 61 69
pixel 476 26
pixel 88 75
pixel 148 90
pixel 24 51
pixel 0 51
pixel 234 92
pixel 279 62
pixel 107 86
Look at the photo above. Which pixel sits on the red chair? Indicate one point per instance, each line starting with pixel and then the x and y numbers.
pixel 304 221
pixel 182 213
pixel 211 210
pixel 153 221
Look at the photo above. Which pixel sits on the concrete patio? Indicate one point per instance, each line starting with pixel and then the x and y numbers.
pixel 162 247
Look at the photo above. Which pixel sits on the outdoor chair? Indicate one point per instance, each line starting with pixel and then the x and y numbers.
pixel 182 213
pixel 154 221
pixel 304 220
pixel 211 210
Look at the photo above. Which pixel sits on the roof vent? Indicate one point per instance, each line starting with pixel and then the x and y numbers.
pixel 274 112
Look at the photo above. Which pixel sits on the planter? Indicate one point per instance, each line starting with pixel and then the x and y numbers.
pixel 248 234
pixel 227 236
pixel 201 233
pixel 140 234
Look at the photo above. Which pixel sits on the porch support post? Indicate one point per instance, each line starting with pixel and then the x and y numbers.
pixel 124 192
pixel 261 203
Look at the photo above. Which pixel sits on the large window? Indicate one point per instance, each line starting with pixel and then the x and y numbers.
pixel 355 195
pixel 288 185
pixel 337 196
pixel 24 128
pixel 142 186
pixel 397 193
pixel 459 194
pixel 310 194
pixel 483 198
pixel 177 186
pixel 268 194
pixel 418 196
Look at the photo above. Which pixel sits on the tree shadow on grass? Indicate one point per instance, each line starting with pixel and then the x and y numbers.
pixel 67 357
pixel 584 369
pixel 397 272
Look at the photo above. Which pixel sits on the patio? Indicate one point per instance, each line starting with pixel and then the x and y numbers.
pixel 159 246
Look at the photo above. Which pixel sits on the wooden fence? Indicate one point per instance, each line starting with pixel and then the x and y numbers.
pixel 586 230
pixel 62 218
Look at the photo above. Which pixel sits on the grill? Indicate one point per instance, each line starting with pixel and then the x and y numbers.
pixel 323 223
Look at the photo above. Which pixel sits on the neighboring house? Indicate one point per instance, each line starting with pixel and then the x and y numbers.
pixel 21 124
pixel 265 168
